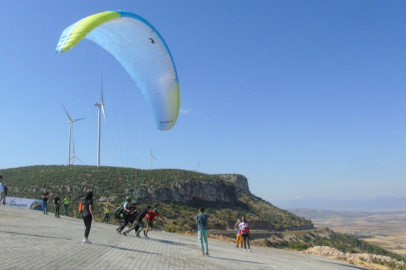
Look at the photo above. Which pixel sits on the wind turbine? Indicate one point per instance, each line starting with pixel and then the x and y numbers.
pixel 74 156
pixel 152 158
pixel 197 167
pixel 70 122
pixel 101 107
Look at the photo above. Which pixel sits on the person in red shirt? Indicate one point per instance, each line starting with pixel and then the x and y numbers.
pixel 150 220
pixel 245 233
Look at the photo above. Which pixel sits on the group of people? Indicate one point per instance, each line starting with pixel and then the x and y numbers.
pixel 56 202
pixel 243 234
pixel 131 214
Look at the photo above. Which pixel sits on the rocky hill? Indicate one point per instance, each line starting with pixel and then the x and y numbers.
pixel 178 194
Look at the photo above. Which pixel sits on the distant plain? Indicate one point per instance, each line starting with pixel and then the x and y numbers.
pixel 385 229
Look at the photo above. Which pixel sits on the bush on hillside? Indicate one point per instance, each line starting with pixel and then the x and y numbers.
pixel 298 246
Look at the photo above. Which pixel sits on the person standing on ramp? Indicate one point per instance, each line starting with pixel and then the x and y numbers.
pixel 88 215
pixel 81 205
pixel 66 202
pixel 106 214
pixel 202 228
pixel 239 237
pixel 56 204
pixel 245 233
pixel 45 197
pixel 2 191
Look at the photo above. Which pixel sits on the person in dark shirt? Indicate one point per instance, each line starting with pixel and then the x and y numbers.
pixel 133 212
pixel 88 215
pixel 126 213
pixel 138 221
pixel 45 197
pixel 56 204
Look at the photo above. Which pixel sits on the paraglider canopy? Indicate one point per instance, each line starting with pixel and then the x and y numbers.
pixel 141 50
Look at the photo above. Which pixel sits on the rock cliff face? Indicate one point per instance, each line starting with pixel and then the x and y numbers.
pixel 225 190
pixel 239 181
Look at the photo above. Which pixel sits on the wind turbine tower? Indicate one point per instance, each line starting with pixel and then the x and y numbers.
pixel 74 156
pixel 101 107
pixel 197 167
pixel 70 122
pixel 152 159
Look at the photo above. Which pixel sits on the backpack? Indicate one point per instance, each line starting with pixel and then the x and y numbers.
pixel 118 213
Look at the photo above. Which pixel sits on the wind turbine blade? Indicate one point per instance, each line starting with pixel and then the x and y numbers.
pixel 73 147
pixel 79 159
pixel 67 112
pixel 78 119
pixel 102 89
pixel 104 113
pixel 102 101
pixel 152 156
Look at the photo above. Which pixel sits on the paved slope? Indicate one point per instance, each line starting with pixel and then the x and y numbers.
pixel 31 240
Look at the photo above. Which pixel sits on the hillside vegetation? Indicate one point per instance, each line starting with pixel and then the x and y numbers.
pixel 112 184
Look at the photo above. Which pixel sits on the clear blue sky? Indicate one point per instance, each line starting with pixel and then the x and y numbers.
pixel 305 98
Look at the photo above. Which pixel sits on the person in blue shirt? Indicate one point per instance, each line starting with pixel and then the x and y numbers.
pixel 3 191
pixel 201 221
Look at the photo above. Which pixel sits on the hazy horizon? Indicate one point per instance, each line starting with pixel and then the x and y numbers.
pixel 351 204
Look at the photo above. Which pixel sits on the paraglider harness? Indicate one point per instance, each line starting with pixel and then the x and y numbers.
pixel 118 213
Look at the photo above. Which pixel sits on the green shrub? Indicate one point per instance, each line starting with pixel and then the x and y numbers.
pixel 267 243
pixel 298 246
pixel 170 228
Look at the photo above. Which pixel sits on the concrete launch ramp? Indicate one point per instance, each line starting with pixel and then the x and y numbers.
pixel 31 240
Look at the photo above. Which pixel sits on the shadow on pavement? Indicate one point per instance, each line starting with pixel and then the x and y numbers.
pixel 127 249
pixel 234 260
pixel 36 235
pixel 171 242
